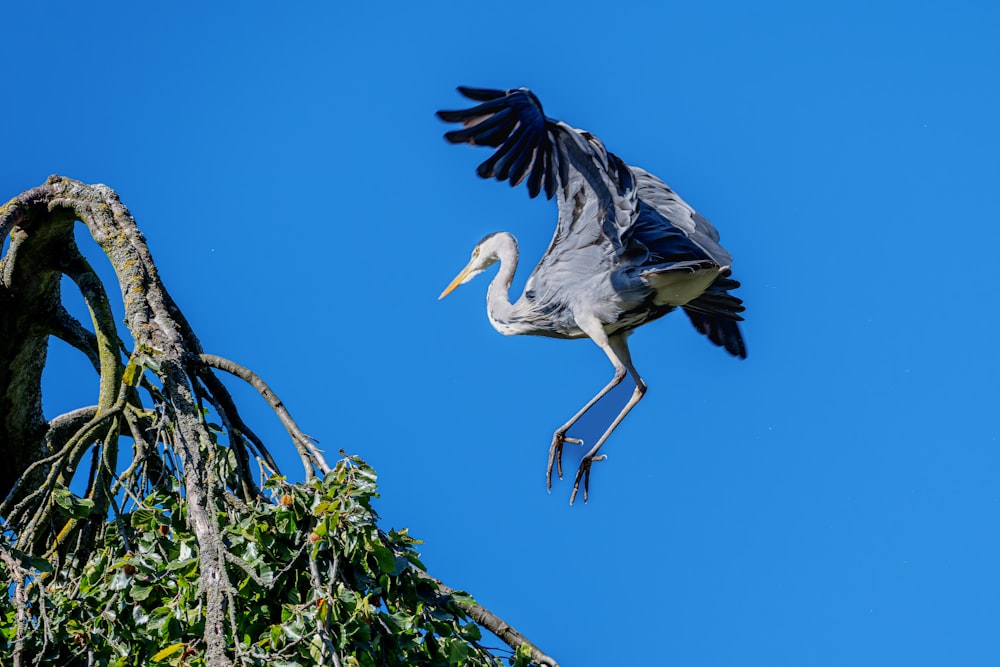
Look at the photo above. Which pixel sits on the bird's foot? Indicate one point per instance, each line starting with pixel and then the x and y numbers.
pixel 584 471
pixel 555 455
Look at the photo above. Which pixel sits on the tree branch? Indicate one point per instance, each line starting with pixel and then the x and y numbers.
pixel 310 454
pixel 493 623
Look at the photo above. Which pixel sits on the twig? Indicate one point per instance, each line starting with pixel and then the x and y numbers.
pixel 20 600
pixel 226 406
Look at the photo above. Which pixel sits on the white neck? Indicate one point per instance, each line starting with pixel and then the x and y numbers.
pixel 498 305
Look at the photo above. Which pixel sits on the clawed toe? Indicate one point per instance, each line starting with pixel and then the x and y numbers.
pixel 584 471
pixel 555 456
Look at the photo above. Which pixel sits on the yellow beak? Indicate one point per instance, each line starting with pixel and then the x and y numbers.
pixel 454 283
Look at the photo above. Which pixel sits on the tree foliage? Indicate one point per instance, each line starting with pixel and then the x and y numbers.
pixel 155 527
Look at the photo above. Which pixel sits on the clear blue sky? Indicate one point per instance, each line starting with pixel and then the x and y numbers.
pixel 833 500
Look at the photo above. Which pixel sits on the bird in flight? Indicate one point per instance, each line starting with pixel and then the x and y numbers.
pixel 626 251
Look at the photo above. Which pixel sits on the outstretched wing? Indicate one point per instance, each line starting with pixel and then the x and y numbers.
pixel 530 146
pixel 512 122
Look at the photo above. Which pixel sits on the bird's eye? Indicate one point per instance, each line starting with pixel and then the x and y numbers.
pixel 475 253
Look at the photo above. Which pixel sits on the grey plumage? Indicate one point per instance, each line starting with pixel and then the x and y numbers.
pixel 626 250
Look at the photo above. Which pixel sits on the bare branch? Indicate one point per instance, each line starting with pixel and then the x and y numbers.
pixel 68 329
pixel 308 451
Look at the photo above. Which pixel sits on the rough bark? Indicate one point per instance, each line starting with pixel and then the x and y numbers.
pixel 30 300
pixel 40 223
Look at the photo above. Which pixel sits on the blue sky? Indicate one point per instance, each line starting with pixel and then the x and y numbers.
pixel 832 500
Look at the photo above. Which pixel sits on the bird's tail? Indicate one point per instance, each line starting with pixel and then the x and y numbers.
pixel 716 312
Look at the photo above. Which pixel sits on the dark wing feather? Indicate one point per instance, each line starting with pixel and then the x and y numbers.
pixel 513 122
pixel 724 333
pixel 684 221
pixel 716 312
pixel 481 94
pixel 543 151
pixel 489 132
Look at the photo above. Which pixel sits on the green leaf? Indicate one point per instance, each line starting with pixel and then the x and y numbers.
pixel 143 518
pixel 40 564
pixel 119 581
pixel 81 508
pixel 416 561
pixel 174 566
pixel 386 559
pixel 158 618
pixel 458 652
pixel 139 592
pixel 149 362
pixel 462 597
pixel 471 632
pixel 62 496
pixel 293 630
pixel 316 651
pixel 169 651
pixel 522 656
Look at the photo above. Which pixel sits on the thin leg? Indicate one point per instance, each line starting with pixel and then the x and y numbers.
pixel 559 437
pixel 596 333
pixel 619 348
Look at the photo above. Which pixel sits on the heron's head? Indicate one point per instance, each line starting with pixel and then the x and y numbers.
pixel 484 255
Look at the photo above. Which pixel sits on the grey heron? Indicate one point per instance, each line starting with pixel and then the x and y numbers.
pixel 626 251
